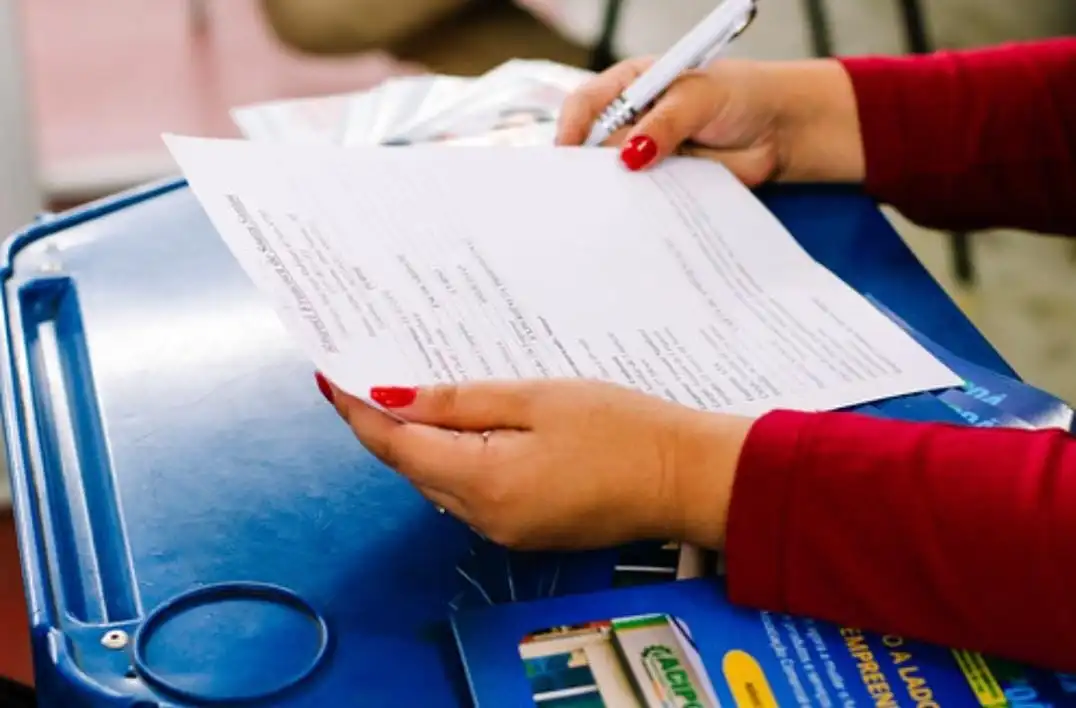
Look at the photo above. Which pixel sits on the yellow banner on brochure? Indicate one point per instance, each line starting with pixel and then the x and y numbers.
pixel 747 681
pixel 981 679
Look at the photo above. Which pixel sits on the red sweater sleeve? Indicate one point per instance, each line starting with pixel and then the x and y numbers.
pixel 960 536
pixel 974 139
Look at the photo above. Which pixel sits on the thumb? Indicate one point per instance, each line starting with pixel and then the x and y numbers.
pixel 689 104
pixel 479 406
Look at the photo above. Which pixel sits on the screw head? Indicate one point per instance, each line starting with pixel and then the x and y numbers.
pixel 114 639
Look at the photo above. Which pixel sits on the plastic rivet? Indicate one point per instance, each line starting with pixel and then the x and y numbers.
pixel 115 639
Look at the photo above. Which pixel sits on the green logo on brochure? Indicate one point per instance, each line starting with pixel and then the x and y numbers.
pixel 667 670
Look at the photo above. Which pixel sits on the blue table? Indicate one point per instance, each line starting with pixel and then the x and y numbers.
pixel 196 524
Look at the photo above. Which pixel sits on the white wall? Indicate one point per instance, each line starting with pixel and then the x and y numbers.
pixel 20 200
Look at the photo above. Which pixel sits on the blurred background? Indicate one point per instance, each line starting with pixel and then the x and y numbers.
pixel 87 87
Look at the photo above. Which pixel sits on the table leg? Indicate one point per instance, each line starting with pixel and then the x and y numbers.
pixel 915 29
pixel 20 195
pixel 963 265
pixel 818 22
pixel 601 54
pixel 198 14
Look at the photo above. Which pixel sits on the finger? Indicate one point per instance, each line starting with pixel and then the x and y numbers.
pixel 372 426
pixel 692 101
pixel 583 106
pixel 487 405
pixel 617 138
pixel 446 503
pixel 427 455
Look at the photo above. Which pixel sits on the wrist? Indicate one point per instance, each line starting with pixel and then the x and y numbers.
pixel 708 453
pixel 819 137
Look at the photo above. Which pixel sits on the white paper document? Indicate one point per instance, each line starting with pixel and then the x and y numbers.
pixel 401 267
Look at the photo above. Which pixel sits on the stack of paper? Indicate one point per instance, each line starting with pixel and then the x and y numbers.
pixel 514 104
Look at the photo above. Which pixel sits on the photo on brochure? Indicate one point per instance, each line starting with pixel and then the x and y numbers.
pixel 648 661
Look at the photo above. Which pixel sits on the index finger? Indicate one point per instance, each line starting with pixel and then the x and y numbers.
pixel 442 460
pixel 429 456
pixel 583 106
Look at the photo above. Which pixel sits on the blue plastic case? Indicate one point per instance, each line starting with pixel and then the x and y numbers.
pixel 196 525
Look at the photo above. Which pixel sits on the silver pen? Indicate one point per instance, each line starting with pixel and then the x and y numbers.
pixel 695 49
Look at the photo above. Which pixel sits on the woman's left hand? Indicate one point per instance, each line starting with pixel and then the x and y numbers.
pixel 556 464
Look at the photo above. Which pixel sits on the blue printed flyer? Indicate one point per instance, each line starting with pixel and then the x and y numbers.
pixel 919 408
pixel 1015 398
pixel 980 414
pixel 683 645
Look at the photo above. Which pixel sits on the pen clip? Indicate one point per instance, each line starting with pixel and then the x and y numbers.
pixel 747 21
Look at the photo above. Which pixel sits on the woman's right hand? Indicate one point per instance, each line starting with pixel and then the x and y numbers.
pixel 788 121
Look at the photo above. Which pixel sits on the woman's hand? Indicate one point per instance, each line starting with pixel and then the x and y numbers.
pixel 557 464
pixel 791 121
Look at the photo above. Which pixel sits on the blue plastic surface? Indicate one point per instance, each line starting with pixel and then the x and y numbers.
pixel 164 435
pixel 278 640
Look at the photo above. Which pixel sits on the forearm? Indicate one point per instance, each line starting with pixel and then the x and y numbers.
pixel 974 139
pixel 959 140
pixel 819 130
pixel 958 536
pixel 702 470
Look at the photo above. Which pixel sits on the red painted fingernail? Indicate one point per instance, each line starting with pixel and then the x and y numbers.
pixel 323 386
pixel 638 152
pixel 393 396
